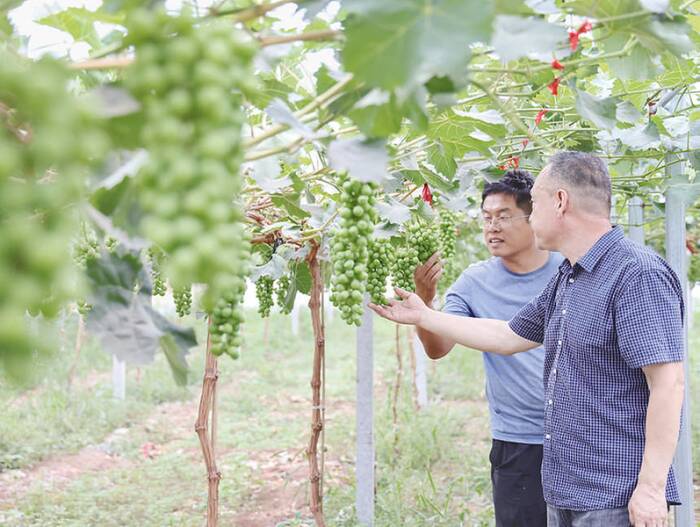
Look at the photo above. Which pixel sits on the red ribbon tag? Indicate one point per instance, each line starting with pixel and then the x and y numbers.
pixel 426 195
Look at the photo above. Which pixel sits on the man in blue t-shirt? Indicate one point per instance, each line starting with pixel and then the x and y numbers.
pixel 499 288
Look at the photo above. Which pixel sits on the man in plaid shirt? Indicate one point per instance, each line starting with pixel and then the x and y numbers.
pixel 611 321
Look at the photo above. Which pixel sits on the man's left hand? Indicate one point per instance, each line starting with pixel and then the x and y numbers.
pixel 647 507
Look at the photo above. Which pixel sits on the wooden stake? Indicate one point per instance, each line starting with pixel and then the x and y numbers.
pixel 207 410
pixel 317 408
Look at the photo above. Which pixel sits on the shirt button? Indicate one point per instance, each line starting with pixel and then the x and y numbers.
pixel 554 371
pixel 571 280
pixel 559 343
pixel 550 402
pixel 563 311
pixel 547 436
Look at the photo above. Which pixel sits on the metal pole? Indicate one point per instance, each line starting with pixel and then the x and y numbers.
pixel 421 371
pixel 635 212
pixel 676 257
pixel 118 378
pixel 295 319
pixel 364 469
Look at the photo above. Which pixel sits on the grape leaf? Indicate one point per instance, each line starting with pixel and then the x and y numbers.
pixel 363 160
pixel 516 36
pixel 406 42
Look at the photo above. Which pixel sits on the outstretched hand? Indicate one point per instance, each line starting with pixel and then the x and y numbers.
pixel 409 310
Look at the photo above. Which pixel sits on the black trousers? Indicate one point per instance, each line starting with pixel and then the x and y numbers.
pixel 517 484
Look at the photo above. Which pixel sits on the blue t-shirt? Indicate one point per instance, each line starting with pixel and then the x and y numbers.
pixel 514 386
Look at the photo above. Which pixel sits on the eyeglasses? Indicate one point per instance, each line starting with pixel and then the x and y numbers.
pixel 501 221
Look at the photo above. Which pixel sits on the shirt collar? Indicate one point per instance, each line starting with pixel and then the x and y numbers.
pixel 589 260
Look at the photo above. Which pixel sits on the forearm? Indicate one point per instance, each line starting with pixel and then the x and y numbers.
pixel 483 334
pixel 436 346
pixel 662 428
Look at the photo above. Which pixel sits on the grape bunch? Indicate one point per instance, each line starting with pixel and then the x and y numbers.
pixel 111 244
pixel 448 234
pixel 405 262
pixel 380 258
pixel 87 247
pixel 281 292
pixel 183 300
pixel 264 289
pixel 43 174
pixel 349 248
pixel 424 238
pixel 226 319
pixel 188 80
pixel 155 257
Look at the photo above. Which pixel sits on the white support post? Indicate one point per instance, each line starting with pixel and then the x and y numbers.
pixel 330 312
pixel 635 212
pixel 118 378
pixel 364 468
pixel 295 319
pixel 676 257
pixel 421 379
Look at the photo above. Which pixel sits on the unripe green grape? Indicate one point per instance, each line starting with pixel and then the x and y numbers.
pixel 448 234
pixel 43 172
pixel 184 79
pixel 379 265
pixel 405 262
pixel 349 254
pixel 264 288
pixel 424 238
pixel 282 290
pixel 226 318
pixel 182 296
pixel 155 257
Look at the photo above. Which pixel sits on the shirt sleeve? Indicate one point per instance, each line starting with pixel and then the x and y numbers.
pixel 530 321
pixel 649 319
pixel 457 298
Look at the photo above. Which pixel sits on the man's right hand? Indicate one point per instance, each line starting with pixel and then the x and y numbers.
pixel 409 310
pixel 426 277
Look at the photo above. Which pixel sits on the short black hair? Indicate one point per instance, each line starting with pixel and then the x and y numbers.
pixel 517 183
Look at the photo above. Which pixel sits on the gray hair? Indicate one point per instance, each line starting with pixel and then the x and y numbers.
pixel 585 174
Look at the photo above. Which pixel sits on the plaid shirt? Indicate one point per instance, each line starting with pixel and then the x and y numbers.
pixel 619 308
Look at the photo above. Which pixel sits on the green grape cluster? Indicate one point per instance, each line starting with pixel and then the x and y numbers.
pixel 226 320
pixel 448 234
pixel 83 307
pixel 183 300
pixel 111 244
pixel 282 286
pixel 86 247
pixel 155 257
pixel 264 289
pixel 349 248
pixel 424 238
pixel 188 79
pixel 48 142
pixel 381 255
pixel 405 262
